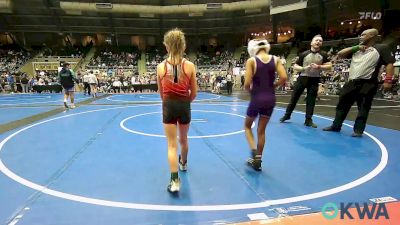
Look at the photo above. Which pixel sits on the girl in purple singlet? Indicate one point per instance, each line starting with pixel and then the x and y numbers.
pixel 260 82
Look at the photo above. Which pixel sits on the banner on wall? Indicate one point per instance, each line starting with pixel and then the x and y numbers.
pixel 49 66
pixel 46 66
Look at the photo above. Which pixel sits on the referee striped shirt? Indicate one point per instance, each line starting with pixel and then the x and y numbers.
pixel 365 64
pixel 307 58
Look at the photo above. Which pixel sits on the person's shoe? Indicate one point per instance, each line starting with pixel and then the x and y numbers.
pixel 356 134
pixel 254 163
pixel 174 186
pixel 182 166
pixel 72 106
pixel 65 105
pixel 309 123
pixel 284 118
pixel 331 128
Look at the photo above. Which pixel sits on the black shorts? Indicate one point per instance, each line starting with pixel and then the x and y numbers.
pixel 176 111
pixel 68 89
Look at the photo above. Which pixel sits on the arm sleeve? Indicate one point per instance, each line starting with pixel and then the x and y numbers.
pixel 300 60
pixel 73 74
pixel 324 57
pixel 386 55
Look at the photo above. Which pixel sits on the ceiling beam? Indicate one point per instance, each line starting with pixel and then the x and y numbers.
pixel 4 26
pixel 49 4
pixel 129 19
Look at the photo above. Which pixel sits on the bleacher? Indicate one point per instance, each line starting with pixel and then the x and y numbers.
pixel 112 57
pixel 154 56
pixel 11 59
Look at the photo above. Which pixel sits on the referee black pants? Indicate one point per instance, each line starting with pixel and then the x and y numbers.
pixel 360 91
pixel 311 83
pixel 229 87
pixel 86 88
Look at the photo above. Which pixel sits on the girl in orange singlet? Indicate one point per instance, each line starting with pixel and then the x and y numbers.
pixel 176 79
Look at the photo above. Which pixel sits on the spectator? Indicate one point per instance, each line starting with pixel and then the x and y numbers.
pixel 24 83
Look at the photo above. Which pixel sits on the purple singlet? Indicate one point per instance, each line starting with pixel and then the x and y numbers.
pixel 262 92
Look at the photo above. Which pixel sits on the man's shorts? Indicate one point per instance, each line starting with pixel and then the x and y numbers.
pixel 68 90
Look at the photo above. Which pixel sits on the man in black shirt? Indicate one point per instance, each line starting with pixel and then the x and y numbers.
pixel 366 60
pixel 310 64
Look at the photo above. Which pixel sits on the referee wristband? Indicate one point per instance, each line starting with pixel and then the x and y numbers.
pixel 388 79
pixel 355 49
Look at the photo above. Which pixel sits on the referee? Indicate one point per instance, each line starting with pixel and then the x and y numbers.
pixel 367 58
pixel 310 63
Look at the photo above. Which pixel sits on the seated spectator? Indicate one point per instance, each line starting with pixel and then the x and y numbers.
pixel 116 86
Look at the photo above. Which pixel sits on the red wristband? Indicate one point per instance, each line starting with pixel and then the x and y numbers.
pixel 388 79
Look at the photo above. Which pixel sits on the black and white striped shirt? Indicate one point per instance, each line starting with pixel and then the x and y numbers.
pixel 308 57
pixel 366 64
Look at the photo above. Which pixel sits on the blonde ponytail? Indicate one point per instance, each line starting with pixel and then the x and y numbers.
pixel 175 42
